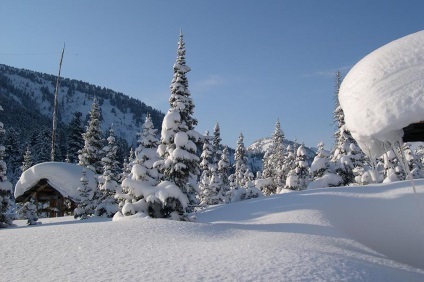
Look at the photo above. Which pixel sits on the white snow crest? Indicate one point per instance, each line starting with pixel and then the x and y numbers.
pixel 384 92
pixel 170 123
pixel 181 139
pixel 168 189
pixel 327 180
pixel 260 183
pixel 139 188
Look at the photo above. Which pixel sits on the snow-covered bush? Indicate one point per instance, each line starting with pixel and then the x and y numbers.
pixel 327 180
pixel 85 206
pixel 29 212
pixel 164 200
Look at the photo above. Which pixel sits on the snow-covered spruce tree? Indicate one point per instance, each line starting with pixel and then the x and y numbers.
pixel 292 180
pixel 274 161
pixel 210 189
pixel 75 139
pixel 338 115
pixel 346 154
pixel 216 145
pixel 142 177
pixel 251 190
pixel 302 167
pixel 342 162
pixel 146 153
pixel 107 203
pixel 224 173
pixel 238 179
pixel 127 165
pixel 42 146
pixel 180 163
pixel 90 155
pixel 29 212
pixel 27 163
pixel 109 161
pixel 85 206
pixel 126 169
pixel 321 164
pixel 211 183
pixel 419 152
pixel 413 161
pixel 357 158
pixel 6 199
pixel 207 156
pixel 320 171
pixel 289 163
pixel 266 167
pixel 240 159
pixel 108 186
pixel 392 168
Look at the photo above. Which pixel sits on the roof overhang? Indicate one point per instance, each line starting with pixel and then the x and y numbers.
pixel 414 132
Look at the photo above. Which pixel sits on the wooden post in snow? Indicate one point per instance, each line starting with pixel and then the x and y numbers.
pixel 55 106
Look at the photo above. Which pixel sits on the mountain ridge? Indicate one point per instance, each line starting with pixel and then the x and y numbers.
pixel 34 91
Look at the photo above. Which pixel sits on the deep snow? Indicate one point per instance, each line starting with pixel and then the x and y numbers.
pixel 383 93
pixel 371 233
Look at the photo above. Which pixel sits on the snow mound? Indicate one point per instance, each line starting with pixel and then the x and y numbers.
pixel 367 233
pixel 384 92
pixel 64 177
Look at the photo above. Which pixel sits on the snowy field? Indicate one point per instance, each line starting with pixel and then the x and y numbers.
pixel 364 233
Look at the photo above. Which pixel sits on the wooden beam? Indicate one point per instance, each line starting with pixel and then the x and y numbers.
pixel 414 132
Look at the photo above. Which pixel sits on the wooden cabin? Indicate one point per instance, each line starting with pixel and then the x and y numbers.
pixel 49 201
pixel 53 186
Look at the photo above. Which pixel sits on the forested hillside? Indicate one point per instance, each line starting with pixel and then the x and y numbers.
pixel 27 98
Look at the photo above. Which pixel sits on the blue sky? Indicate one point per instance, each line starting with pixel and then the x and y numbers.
pixel 252 61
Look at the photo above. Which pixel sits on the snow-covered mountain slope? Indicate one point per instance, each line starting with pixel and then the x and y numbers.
pixel 258 148
pixel 33 93
pixel 366 233
pixel 262 144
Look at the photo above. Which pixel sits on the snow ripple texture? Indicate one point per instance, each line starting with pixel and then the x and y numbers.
pixel 367 233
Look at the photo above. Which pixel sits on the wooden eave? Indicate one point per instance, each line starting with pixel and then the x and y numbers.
pixel 414 132
pixel 41 185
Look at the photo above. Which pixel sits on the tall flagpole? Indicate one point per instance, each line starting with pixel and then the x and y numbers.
pixel 55 106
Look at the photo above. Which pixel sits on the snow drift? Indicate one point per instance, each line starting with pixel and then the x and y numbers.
pixel 366 233
pixel 384 92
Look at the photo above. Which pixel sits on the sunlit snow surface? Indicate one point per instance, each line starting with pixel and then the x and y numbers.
pixel 384 92
pixel 367 233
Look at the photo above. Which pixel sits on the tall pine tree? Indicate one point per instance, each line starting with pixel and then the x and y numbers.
pixel 178 138
pixel 240 158
pixel 224 171
pixel 146 154
pixel 216 145
pixel 76 141
pixel 27 162
pixel 341 152
pixel 274 160
pixel 90 155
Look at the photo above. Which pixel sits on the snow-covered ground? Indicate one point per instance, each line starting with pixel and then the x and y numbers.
pixel 371 233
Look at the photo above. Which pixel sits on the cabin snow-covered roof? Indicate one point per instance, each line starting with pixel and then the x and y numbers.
pixel 64 177
pixel 384 93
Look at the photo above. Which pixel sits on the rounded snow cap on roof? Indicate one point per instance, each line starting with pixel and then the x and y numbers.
pixel 384 92
pixel 64 177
